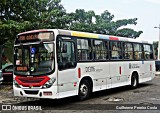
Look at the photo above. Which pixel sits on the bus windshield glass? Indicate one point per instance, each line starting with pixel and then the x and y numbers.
pixel 36 59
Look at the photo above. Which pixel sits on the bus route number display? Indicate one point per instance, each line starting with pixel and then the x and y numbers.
pixel 28 37
pixel 21 68
pixel 38 36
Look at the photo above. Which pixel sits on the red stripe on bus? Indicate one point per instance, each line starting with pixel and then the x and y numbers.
pixel 120 70
pixel 113 38
pixel 79 72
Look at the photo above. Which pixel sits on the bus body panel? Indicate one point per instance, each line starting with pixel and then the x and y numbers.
pixel 68 81
pixel 98 72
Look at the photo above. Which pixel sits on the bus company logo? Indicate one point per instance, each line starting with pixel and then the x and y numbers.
pixel 6 107
pixel 131 66
pixel 30 86
pixel 90 69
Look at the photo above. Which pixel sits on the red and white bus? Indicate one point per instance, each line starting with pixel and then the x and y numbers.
pixel 54 63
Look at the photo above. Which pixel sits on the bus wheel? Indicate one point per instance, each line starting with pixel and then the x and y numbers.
pixel 84 90
pixel 134 80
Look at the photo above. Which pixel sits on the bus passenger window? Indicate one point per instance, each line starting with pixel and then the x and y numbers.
pixel 138 51
pixel 136 55
pixel 148 52
pixel 84 49
pixel 66 55
pixel 128 51
pixel 99 50
pixel 116 52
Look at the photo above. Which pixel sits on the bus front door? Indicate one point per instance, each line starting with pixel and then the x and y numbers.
pixel 67 79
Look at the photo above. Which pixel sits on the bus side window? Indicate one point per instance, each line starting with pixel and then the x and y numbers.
pixel 136 55
pixel 138 51
pixel 128 51
pixel 148 52
pixel 116 52
pixel 100 50
pixel 66 55
pixel 84 50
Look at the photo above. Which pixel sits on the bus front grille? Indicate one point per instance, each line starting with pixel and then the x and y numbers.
pixel 31 80
pixel 33 92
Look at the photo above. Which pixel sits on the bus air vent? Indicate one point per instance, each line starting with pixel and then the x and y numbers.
pixel 33 92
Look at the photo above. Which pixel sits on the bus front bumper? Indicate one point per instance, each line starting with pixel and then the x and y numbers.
pixel 50 93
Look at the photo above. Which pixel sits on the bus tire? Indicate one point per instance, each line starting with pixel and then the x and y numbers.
pixel 84 90
pixel 134 81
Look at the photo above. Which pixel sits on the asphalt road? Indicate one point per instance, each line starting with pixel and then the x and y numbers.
pixel 117 100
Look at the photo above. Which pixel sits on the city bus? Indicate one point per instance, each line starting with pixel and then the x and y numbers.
pixel 56 63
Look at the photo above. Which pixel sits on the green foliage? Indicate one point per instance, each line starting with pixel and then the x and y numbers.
pixel 104 24
pixel 23 15
pixel 126 32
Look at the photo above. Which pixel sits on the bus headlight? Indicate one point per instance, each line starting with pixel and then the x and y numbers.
pixel 16 84
pixel 49 83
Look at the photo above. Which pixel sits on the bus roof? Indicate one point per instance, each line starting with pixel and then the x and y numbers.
pixel 34 31
pixel 98 36
pixel 86 35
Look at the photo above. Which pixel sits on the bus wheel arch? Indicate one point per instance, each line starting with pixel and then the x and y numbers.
pixel 134 79
pixel 85 88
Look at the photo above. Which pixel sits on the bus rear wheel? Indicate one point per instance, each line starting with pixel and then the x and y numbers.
pixel 134 80
pixel 84 90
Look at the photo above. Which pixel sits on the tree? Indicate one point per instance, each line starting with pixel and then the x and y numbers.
pixel 81 20
pixel 104 24
pixel 126 32
pixel 22 15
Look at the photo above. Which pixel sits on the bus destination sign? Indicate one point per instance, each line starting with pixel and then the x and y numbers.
pixel 35 37
pixel 28 37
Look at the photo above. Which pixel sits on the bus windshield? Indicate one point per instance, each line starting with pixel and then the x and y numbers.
pixel 35 59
